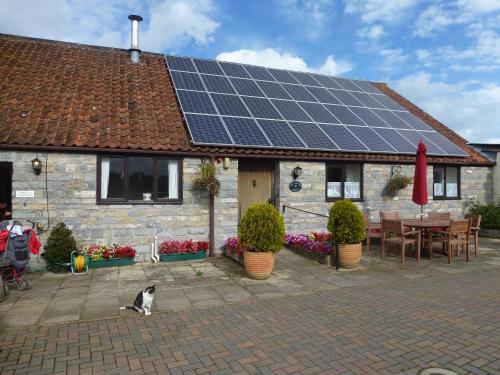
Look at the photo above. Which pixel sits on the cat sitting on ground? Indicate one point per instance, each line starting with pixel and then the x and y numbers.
pixel 143 301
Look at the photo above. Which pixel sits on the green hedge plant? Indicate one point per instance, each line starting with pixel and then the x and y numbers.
pixel 262 228
pixel 346 223
pixel 59 245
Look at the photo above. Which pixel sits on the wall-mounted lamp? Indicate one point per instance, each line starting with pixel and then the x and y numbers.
pixel 37 166
pixel 297 171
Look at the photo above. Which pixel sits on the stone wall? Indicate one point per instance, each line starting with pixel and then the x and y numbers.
pixel 476 183
pixel 72 199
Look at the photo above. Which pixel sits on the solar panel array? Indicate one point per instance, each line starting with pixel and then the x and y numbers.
pixel 250 106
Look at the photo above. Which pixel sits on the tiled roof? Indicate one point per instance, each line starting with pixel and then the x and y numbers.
pixel 59 95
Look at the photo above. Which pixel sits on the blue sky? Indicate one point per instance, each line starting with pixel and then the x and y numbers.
pixel 442 55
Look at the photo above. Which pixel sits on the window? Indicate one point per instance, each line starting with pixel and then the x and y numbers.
pixel 446 182
pixel 344 181
pixel 139 179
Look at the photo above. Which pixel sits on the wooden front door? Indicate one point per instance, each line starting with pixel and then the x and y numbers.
pixel 255 183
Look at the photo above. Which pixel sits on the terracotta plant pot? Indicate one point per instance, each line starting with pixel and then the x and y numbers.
pixel 349 255
pixel 259 266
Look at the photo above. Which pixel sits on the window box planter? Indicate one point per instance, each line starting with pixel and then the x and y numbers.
pixel 183 257
pixel 233 255
pixel 112 262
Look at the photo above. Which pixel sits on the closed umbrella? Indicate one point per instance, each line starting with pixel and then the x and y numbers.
pixel 420 195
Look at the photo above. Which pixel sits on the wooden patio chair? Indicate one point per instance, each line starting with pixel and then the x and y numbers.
pixel 434 215
pixel 373 230
pixel 475 227
pixel 395 235
pixel 389 215
pixel 434 231
pixel 456 237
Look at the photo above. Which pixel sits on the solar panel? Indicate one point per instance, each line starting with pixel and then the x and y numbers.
pixel 273 90
pixel 261 108
pixel 305 79
pixel 234 70
pixel 291 110
pixel 393 120
pixel 346 98
pixel 245 131
pixel 396 140
pixel 323 95
pixel 371 139
pixel 280 134
pixel 313 136
pixel 255 106
pixel 319 113
pixel 207 129
pixel 283 76
pixel 180 63
pixel 246 87
pixel 196 102
pixel 230 105
pixel 257 72
pixel 344 115
pixel 414 121
pixel 343 137
pixel 299 93
pixel 217 84
pixel 208 66
pixel 187 81
pixel 368 117
pixel 414 137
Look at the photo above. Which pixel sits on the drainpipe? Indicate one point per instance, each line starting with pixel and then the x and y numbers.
pixel 211 220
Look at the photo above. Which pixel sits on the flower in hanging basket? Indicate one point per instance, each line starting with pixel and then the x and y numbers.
pixel 398 182
pixel 206 178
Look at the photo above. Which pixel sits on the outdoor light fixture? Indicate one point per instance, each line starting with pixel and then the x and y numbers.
pixel 297 171
pixel 37 166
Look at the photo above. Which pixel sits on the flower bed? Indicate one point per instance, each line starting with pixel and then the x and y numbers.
pixel 315 245
pixel 171 251
pixel 109 256
pixel 233 249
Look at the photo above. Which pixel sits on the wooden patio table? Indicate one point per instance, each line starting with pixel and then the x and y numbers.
pixel 425 224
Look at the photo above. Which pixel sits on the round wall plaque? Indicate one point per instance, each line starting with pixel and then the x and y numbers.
pixel 295 186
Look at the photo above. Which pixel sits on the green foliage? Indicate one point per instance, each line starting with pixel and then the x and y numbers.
pixel 262 228
pixel 398 182
pixel 59 245
pixel 346 223
pixel 490 213
pixel 206 178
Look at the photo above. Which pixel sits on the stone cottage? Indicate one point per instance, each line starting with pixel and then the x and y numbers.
pixel 117 152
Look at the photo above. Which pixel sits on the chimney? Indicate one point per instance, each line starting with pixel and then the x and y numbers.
pixel 134 50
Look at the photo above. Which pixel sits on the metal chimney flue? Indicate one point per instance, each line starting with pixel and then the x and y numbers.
pixel 134 50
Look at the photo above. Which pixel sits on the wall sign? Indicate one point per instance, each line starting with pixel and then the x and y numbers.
pixel 25 194
pixel 295 186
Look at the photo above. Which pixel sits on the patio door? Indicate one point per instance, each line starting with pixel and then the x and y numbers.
pixel 255 183
pixel 6 186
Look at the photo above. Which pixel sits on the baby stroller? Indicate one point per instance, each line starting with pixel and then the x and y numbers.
pixel 16 244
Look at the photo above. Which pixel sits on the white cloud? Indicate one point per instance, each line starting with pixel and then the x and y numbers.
pixel 470 109
pixel 384 11
pixel 433 19
pixel 373 32
pixel 168 24
pixel 273 59
pixel 392 57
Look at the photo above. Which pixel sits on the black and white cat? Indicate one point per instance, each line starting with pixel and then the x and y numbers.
pixel 143 301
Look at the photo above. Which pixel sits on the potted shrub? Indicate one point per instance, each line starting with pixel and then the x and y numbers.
pixel 171 251
pixel 346 223
pixel 261 233
pixel 59 247
pixel 109 256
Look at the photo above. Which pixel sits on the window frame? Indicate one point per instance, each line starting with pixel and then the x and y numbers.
pixel 342 183
pixel 459 183
pixel 154 199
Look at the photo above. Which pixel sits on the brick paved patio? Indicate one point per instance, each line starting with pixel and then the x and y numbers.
pixel 366 322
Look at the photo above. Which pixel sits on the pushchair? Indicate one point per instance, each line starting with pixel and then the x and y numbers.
pixel 16 244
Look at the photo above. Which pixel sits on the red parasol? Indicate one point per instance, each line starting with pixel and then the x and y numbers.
pixel 420 195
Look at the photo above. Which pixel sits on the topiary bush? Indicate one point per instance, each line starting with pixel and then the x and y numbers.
pixel 59 245
pixel 346 223
pixel 262 228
